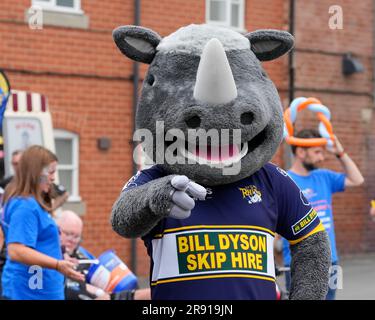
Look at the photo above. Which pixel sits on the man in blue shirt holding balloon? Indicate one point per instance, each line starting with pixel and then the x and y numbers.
pixel 318 186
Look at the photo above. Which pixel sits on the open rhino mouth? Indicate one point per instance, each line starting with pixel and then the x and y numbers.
pixel 221 155
pixel 216 155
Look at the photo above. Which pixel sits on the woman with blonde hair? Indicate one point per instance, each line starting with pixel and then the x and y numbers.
pixel 34 268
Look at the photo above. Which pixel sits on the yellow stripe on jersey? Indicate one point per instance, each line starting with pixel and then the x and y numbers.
pixel 318 228
pixel 201 227
pixel 216 276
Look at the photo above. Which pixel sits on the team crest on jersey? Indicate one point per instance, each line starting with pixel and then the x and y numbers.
pixel 251 194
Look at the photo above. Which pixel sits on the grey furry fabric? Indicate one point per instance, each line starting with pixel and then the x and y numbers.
pixel 138 210
pixel 191 39
pixel 270 44
pixel 173 105
pixel 311 260
pixel 137 43
pixel 167 95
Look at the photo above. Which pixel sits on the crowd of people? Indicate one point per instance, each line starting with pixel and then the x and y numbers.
pixel 41 249
pixel 35 234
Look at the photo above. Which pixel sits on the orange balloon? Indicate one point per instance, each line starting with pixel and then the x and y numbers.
pixel 307 142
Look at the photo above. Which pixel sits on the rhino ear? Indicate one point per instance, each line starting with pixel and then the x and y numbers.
pixel 270 44
pixel 137 43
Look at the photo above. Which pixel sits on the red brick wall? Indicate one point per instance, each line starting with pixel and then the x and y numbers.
pixel 318 53
pixel 87 84
pixel 89 92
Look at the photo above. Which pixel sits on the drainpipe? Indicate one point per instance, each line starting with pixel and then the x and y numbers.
pixel 135 76
pixel 292 7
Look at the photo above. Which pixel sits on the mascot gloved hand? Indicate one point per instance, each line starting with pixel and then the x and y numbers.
pixel 171 196
pixel 208 217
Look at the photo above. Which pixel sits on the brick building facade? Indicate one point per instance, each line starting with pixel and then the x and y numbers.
pixel 74 62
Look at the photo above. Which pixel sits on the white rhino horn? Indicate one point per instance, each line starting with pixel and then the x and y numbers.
pixel 215 83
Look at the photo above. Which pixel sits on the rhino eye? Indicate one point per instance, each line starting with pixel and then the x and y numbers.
pixel 150 79
pixel 247 118
pixel 193 122
pixel 264 74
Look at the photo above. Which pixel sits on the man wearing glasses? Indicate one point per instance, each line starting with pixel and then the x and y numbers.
pixel 71 226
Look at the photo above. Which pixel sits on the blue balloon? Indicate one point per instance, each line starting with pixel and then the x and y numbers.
pixel 314 107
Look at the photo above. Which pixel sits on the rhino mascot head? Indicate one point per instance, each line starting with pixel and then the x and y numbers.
pixel 208 80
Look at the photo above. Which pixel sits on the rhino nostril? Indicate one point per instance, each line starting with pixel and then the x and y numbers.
pixel 247 118
pixel 193 122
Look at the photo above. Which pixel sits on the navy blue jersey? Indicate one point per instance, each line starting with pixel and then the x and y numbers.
pixel 224 250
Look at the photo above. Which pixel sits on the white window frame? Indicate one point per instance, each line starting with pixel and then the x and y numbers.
pixel 52 6
pixel 228 12
pixel 64 134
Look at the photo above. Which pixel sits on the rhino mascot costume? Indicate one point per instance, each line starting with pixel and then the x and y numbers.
pixel 209 218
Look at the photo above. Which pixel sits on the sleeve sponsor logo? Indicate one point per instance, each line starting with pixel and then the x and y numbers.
pixel 304 222
pixel 221 251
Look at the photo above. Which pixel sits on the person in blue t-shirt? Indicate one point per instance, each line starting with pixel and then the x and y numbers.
pixel 318 186
pixel 34 267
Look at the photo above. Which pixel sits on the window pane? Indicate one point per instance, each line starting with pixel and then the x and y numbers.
pixel 217 10
pixel 65 177
pixel 65 3
pixel 235 15
pixel 64 151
